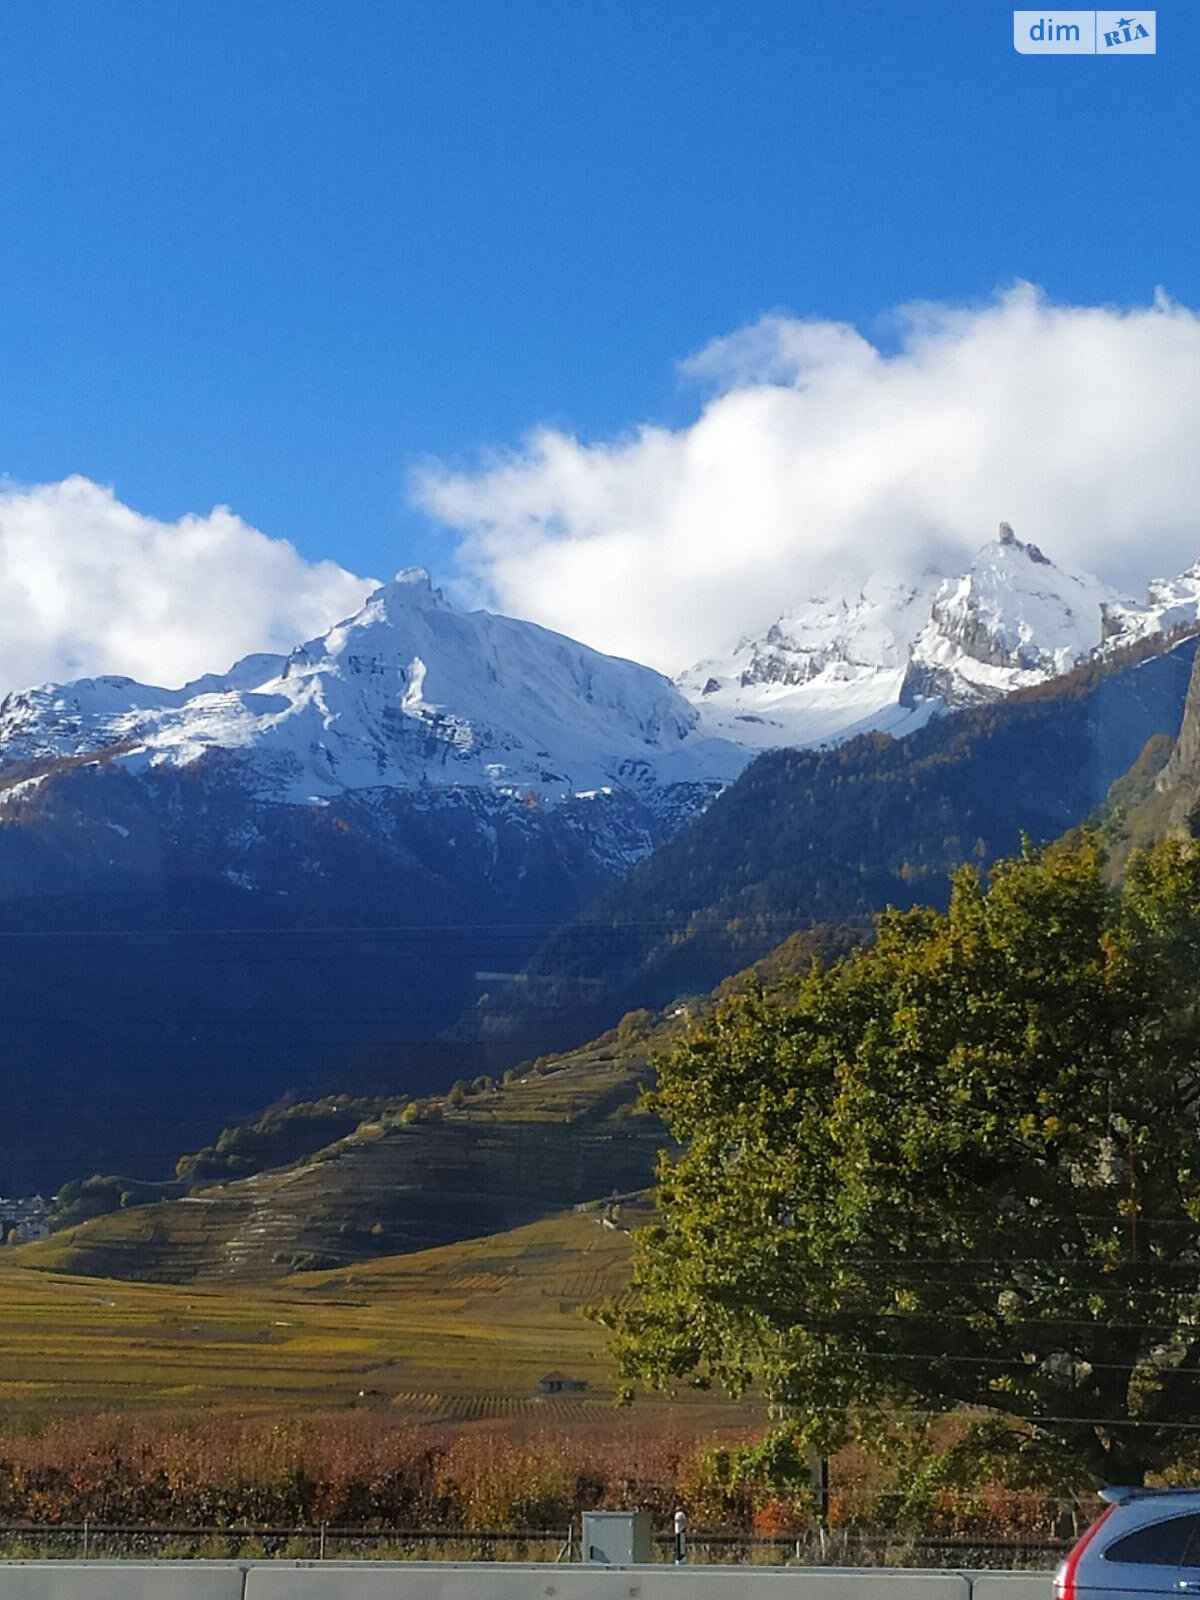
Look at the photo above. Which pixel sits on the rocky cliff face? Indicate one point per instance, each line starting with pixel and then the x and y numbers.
pixel 1177 803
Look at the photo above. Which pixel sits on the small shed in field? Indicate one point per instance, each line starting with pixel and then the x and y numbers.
pixel 561 1383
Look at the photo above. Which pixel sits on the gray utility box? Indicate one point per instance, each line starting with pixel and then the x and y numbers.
pixel 617 1538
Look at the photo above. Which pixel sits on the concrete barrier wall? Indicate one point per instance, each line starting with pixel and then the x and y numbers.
pixel 438 1580
pixel 1011 1586
pixel 121 1580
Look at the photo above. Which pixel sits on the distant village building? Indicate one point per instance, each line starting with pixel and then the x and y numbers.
pixel 560 1383
pixel 23 1220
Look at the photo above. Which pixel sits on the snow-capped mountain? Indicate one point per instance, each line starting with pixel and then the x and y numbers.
pixel 898 652
pixel 411 695
pixel 408 694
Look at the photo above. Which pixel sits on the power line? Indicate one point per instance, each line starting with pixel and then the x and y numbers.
pixel 1076 1291
pixel 1020 1362
pixel 1034 1213
pixel 751 925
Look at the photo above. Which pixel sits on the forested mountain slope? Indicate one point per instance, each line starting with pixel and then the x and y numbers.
pixel 831 836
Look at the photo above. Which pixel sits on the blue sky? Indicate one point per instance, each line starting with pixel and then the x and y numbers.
pixel 272 255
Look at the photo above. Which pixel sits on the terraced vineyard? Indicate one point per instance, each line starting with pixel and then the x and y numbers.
pixel 429 1265
pixel 552 1411
pixel 500 1160
pixel 564 1130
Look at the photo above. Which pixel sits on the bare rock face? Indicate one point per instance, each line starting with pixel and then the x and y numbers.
pixel 943 686
pixel 1008 537
pixel 1180 778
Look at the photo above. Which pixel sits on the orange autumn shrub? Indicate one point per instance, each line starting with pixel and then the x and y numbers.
pixel 362 1469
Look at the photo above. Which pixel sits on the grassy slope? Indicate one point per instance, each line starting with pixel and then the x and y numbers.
pixel 454 1334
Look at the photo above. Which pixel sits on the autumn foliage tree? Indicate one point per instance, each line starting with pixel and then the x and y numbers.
pixel 957 1171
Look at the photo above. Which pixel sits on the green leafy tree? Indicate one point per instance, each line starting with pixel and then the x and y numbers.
pixel 958 1169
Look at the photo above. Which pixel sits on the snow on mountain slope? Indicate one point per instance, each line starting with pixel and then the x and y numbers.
pixel 409 694
pixel 898 652
pixel 826 669
pixel 413 695
pixel 1169 603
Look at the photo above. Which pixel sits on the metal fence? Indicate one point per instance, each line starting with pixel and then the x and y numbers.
pixel 844 1547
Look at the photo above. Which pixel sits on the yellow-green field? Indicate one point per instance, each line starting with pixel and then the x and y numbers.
pixel 456 1334
pixel 197 1302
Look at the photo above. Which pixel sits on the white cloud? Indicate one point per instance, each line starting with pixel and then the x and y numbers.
pixel 820 456
pixel 89 586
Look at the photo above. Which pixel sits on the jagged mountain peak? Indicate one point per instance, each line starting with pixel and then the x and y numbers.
pixel 1169 603
pixel 823 669
pixel 1007 538
pixel 1018 565
pixel 412 586
pixel 1014 617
